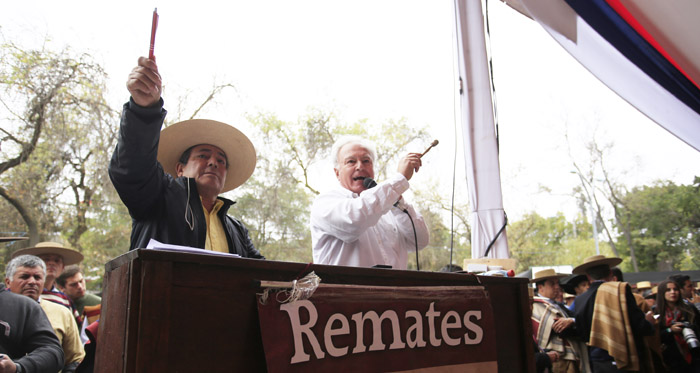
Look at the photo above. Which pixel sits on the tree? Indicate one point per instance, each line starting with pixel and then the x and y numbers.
pixel 54 122
pixel 661 223
pixel 536 240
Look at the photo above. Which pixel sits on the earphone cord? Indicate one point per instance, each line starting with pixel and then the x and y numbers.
pixel 190 223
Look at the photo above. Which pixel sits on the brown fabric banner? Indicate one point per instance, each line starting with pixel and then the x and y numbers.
pixel 379 329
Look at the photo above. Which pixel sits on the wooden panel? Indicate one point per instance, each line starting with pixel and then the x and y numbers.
pixel 113 321
pixel 155 322
pixel 186 312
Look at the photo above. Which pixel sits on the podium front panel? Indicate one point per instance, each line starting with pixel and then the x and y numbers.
pixel 167 311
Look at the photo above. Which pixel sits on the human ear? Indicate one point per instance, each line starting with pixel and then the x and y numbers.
pixel 179 169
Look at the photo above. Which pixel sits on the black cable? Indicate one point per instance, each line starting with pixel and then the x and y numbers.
pixel 497 235
pixel 415 237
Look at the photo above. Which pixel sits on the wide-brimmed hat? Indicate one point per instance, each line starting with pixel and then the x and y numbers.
pixel 240 153
pixel 643 285
pixel 10 239
pixel 546 274
pixel 596 260
pixel 69 256
pixel 569 283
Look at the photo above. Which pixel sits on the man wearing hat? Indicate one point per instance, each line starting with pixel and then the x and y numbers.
pixel 171 180
pixel 27 340
pixel 643 286
pixel 604 301
pixel 56 256
pixel 553 328
pixel 24 275
pixel 574 285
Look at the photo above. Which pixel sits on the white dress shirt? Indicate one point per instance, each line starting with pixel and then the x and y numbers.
pixel 366 229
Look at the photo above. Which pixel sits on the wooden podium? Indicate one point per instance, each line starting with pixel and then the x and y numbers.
pixel 165 311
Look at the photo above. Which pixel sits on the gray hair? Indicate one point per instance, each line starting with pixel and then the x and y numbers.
pixel 353 140
pixel 29 261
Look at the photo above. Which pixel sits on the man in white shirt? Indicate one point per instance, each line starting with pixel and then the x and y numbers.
pixel 363 226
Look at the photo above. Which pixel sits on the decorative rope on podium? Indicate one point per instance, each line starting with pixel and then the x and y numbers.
pixel 299 289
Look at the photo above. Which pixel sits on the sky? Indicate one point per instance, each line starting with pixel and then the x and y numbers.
pixel 379 60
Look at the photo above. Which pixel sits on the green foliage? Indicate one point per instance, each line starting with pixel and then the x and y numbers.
pixel 57 136
pixel 536 240
pixel 662 221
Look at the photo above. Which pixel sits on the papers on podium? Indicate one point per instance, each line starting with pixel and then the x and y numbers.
pixel 153 244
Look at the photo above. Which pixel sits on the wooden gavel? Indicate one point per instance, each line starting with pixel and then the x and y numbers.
pixel 434 143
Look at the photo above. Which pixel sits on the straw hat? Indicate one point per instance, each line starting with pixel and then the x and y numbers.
pixel 69 256
pixel 643 285
pixel 10 239
pixel 240 153
pixel 546 274
pixel 596 260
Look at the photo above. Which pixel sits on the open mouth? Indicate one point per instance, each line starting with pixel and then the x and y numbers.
pixel 359 178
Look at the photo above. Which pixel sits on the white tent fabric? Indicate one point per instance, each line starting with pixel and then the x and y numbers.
pixel 619 73
pixel 478 131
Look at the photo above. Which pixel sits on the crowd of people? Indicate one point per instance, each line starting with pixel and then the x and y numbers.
pixel 46 311
pixel 171 181
pixel 607 325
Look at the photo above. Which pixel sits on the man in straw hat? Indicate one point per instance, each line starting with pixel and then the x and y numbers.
pixel 553 328
pixel 614 346
pixel 56 256
pixel 643 286
pixel 171 180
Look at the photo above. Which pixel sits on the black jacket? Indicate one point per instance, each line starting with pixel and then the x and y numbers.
pixel 156 201
pixel 26 335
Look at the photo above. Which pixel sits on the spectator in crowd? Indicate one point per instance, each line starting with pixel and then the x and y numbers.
pixel 643 286
pixel 685 286
pixel 569 300
pixel 361 223
pixel 650 298
pixel 56 257
pixel 25 275
pixel 27 341
pixel 576 285
pixel 543 359
pixel 606 300
pixel 674 316
pixel 72 283
pixel 553 329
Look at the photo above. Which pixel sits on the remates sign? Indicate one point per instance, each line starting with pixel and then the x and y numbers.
pixel 379 329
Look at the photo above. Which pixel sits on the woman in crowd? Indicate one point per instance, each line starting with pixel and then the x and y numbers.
pixel 672 313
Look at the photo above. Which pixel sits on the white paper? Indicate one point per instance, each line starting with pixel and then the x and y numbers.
pixel 153 244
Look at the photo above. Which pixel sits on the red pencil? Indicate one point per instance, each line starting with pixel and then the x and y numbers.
pixel 154 26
